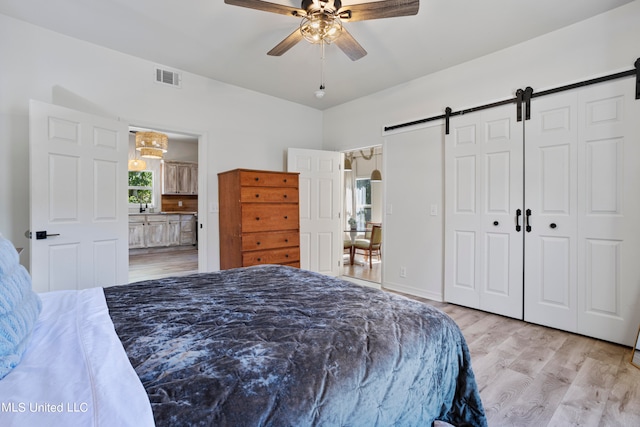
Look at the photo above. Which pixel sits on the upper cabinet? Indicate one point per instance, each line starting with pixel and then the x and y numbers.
pixel 179 178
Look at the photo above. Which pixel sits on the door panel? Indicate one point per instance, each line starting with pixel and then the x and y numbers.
pixel 483 166
pixel 609 232
pixel 581 233
pixel 551 198
pixel 320 193
pixel 79 194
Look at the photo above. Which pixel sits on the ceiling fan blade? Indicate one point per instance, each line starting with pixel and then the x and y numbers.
pixel 378 9
pixel 268 7
pixel 286 44
pixel 350 46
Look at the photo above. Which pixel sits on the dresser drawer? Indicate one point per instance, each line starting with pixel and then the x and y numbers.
pixel 267 179
pixel 271 256
pixel 266 217
pixel 270 240
pixel 269 195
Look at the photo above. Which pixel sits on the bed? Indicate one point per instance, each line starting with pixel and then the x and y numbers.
pixel 258 346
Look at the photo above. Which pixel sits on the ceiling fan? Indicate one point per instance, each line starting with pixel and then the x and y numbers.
pixel 322 20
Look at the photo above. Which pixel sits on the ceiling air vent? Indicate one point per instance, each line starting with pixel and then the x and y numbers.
pixel 168 77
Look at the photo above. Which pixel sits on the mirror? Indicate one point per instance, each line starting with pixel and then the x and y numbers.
pixel 362 199
pixel 635 354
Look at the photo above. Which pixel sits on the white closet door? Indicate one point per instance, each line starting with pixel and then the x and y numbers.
pixel 483 191
pixel 551 211
pixel 582 182
pixel 609 211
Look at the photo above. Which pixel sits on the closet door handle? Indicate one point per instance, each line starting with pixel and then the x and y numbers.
pixel 528 228
pixel 518 214
pixel 553 225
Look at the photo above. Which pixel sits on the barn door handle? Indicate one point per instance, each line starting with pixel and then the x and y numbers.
pixel 528 216
pixel 518 214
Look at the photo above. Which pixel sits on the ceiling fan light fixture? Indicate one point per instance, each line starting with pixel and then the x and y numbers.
pixel 321 27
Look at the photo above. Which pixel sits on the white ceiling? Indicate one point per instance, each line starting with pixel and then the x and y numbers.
pixel 229 43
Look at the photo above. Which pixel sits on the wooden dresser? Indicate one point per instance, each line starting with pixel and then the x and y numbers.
pixel 259 218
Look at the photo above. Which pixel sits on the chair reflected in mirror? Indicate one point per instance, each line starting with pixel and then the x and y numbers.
pixel 370 247
pixel 348 249
pixel 635 353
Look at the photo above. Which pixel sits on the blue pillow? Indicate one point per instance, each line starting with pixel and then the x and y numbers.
pixel 19 308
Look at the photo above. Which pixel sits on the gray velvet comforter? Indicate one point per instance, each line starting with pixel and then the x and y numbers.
pixel 278 346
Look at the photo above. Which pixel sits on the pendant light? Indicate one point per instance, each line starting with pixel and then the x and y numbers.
pixel 376 176
pixel 152 144
pixel 347 162
pixel 137 165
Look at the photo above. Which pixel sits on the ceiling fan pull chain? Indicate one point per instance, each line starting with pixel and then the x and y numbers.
pixel 320 92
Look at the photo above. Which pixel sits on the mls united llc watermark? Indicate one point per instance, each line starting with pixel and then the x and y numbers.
pixel 37 407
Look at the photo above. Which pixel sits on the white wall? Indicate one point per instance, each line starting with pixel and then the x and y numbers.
pixel 599 46
pixel 241 128
pixel 412 236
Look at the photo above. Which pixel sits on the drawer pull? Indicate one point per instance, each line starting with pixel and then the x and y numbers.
pixel 259 259
pixel 258 243
pixel 286 255
pixel 257 179
pixel 285 196
pixel 257 195
pixel 286 240
pixel 257 218
pixel 285 180
pixel 286 217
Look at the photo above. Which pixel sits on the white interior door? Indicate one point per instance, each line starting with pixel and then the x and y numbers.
pixel 582 188
pixel 78 197
pixel 320 206
pixel 609 211
pixel 483 192
pixel 551 203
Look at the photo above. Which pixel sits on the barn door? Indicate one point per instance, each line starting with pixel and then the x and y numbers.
pixel 551 212
pixel 483 195
pixel 582 188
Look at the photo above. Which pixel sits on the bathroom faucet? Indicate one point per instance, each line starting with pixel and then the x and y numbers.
pixel 145 207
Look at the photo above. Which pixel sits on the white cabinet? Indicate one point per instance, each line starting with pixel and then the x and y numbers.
pixel 179 178
pixel 161 230
pixel 156 231
pixel 188 226
pixel 541 215
pixel 136 232
pixel 173 230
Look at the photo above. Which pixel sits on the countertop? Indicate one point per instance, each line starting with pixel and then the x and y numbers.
pixel 163 213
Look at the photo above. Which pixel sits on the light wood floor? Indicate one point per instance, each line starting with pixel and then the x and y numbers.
pixel 156 264
pixel 360 268
pixel 528 375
